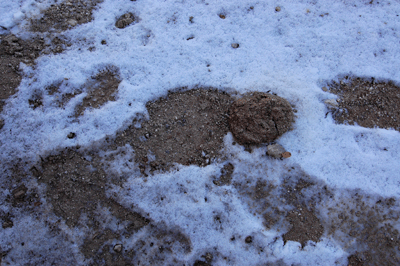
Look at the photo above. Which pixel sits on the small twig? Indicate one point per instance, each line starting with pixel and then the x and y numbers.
pixel 4 28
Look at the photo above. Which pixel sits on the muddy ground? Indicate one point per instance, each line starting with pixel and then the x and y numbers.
pixel 187 127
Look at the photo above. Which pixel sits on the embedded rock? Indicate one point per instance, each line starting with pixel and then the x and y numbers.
pixel 259 117
pixel 125 20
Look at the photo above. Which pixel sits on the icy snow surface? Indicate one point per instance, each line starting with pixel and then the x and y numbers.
pixel 292 53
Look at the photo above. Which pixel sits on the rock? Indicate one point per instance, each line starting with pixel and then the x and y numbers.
pixel 1 123
pixel 248 239
pixel 259 117
pixel 235 45
pixel 278 8
pixel 332 103
pixel 71 135
pixel 19 192
pixel 72 22
pixel 118 248
pixel 275 150
pixel 125 20
pixel 325 89
pixel 8 224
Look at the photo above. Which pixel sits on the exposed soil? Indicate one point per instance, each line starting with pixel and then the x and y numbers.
pixel 13 51
pixel 100 89
pixel 186 127
pixel 259 117
pixel 65 16
pixel 226 175
pixel 76 185
pixel 367 102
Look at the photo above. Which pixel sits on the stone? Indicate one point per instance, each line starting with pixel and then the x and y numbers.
pixel 275 150
pixel 235 45
pixel 71 135
pixel 248 239
pixel 72 22
pixel 125 20
pixel 278 8
pixel 332 103
pixel 118 248
pixel 259 118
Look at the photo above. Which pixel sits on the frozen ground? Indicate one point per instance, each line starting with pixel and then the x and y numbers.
pixel 84 177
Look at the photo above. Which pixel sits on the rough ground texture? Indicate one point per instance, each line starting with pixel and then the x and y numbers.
pixel 13 51
pixel 100 89
pixel 64 16
pixel 259 117
pixel 367 103
pixel 186 127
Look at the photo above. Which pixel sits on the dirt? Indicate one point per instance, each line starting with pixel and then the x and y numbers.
pixel 226 175
pixel 100 89
pixel 65 15
pixel 14 51
pixel 185 127
pixel 260 117
pixel 366 102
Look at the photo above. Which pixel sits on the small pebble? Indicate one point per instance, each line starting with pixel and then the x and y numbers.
pixel 118 248
pixel 276 151
pixel 332 103
pixel 71 135
pixel 325 89
pixel 248 239
pixel 235 45
pixel 72 22
pixel 278 8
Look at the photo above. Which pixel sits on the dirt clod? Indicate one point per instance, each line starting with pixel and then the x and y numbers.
pixel 125 20
pixel 260 117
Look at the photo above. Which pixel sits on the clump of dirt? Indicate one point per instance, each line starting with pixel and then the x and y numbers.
pixel 185 127
pixel 100 89
pixel 260 117
pixel 125 20
pixel 64 16
pixel 13 51
pixel 367 103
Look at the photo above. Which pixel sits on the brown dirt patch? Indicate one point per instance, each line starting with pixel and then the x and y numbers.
pixel 259 117
pixel 366 223
pixel 226 175
pixel 367 102
pixel 76 185
pixel 13 51
pixel 100 89
pixel 186 127
pixel 64 16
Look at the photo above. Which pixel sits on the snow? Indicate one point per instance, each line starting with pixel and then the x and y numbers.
pixel 293 53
